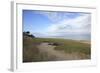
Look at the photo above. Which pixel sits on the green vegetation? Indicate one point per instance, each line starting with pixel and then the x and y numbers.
pixel 70 46
pixel 31 51
pixel 75 47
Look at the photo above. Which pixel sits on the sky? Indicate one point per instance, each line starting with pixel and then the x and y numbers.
pixel 57 24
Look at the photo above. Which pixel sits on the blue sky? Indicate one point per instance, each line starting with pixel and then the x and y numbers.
pixel 48 23
pixel 34 22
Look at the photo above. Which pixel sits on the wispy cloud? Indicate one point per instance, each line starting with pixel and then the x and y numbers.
pixel 78 25
pixel 65 23
pixel 58 16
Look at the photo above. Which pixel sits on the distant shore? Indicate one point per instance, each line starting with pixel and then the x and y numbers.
pixel 81 41
pixel 85 41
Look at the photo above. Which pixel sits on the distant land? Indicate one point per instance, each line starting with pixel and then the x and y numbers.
pixel 69 36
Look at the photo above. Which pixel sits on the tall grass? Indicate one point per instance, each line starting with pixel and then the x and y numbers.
pixel 31 52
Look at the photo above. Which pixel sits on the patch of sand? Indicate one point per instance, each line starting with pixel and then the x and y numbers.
pixel 59 55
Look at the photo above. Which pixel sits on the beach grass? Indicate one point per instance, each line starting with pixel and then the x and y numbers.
pixel 31 51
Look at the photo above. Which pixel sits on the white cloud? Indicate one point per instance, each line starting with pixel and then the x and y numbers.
pixel 79 25
pixel 53 16
pixel 63 24
pixel 56 16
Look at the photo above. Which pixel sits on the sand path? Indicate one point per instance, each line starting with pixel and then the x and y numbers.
pixel 59 55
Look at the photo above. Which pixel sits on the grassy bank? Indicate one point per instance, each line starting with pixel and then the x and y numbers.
pixel 31 52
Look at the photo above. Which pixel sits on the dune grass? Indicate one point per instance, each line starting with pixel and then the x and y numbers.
pixel 31 52
pixel 71 46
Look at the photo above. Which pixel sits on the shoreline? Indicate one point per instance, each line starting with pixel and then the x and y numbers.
pixel 81 41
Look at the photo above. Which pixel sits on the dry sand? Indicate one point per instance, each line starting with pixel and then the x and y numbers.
pixel 59 55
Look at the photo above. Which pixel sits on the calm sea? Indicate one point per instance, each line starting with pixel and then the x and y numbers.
pixel 74 37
